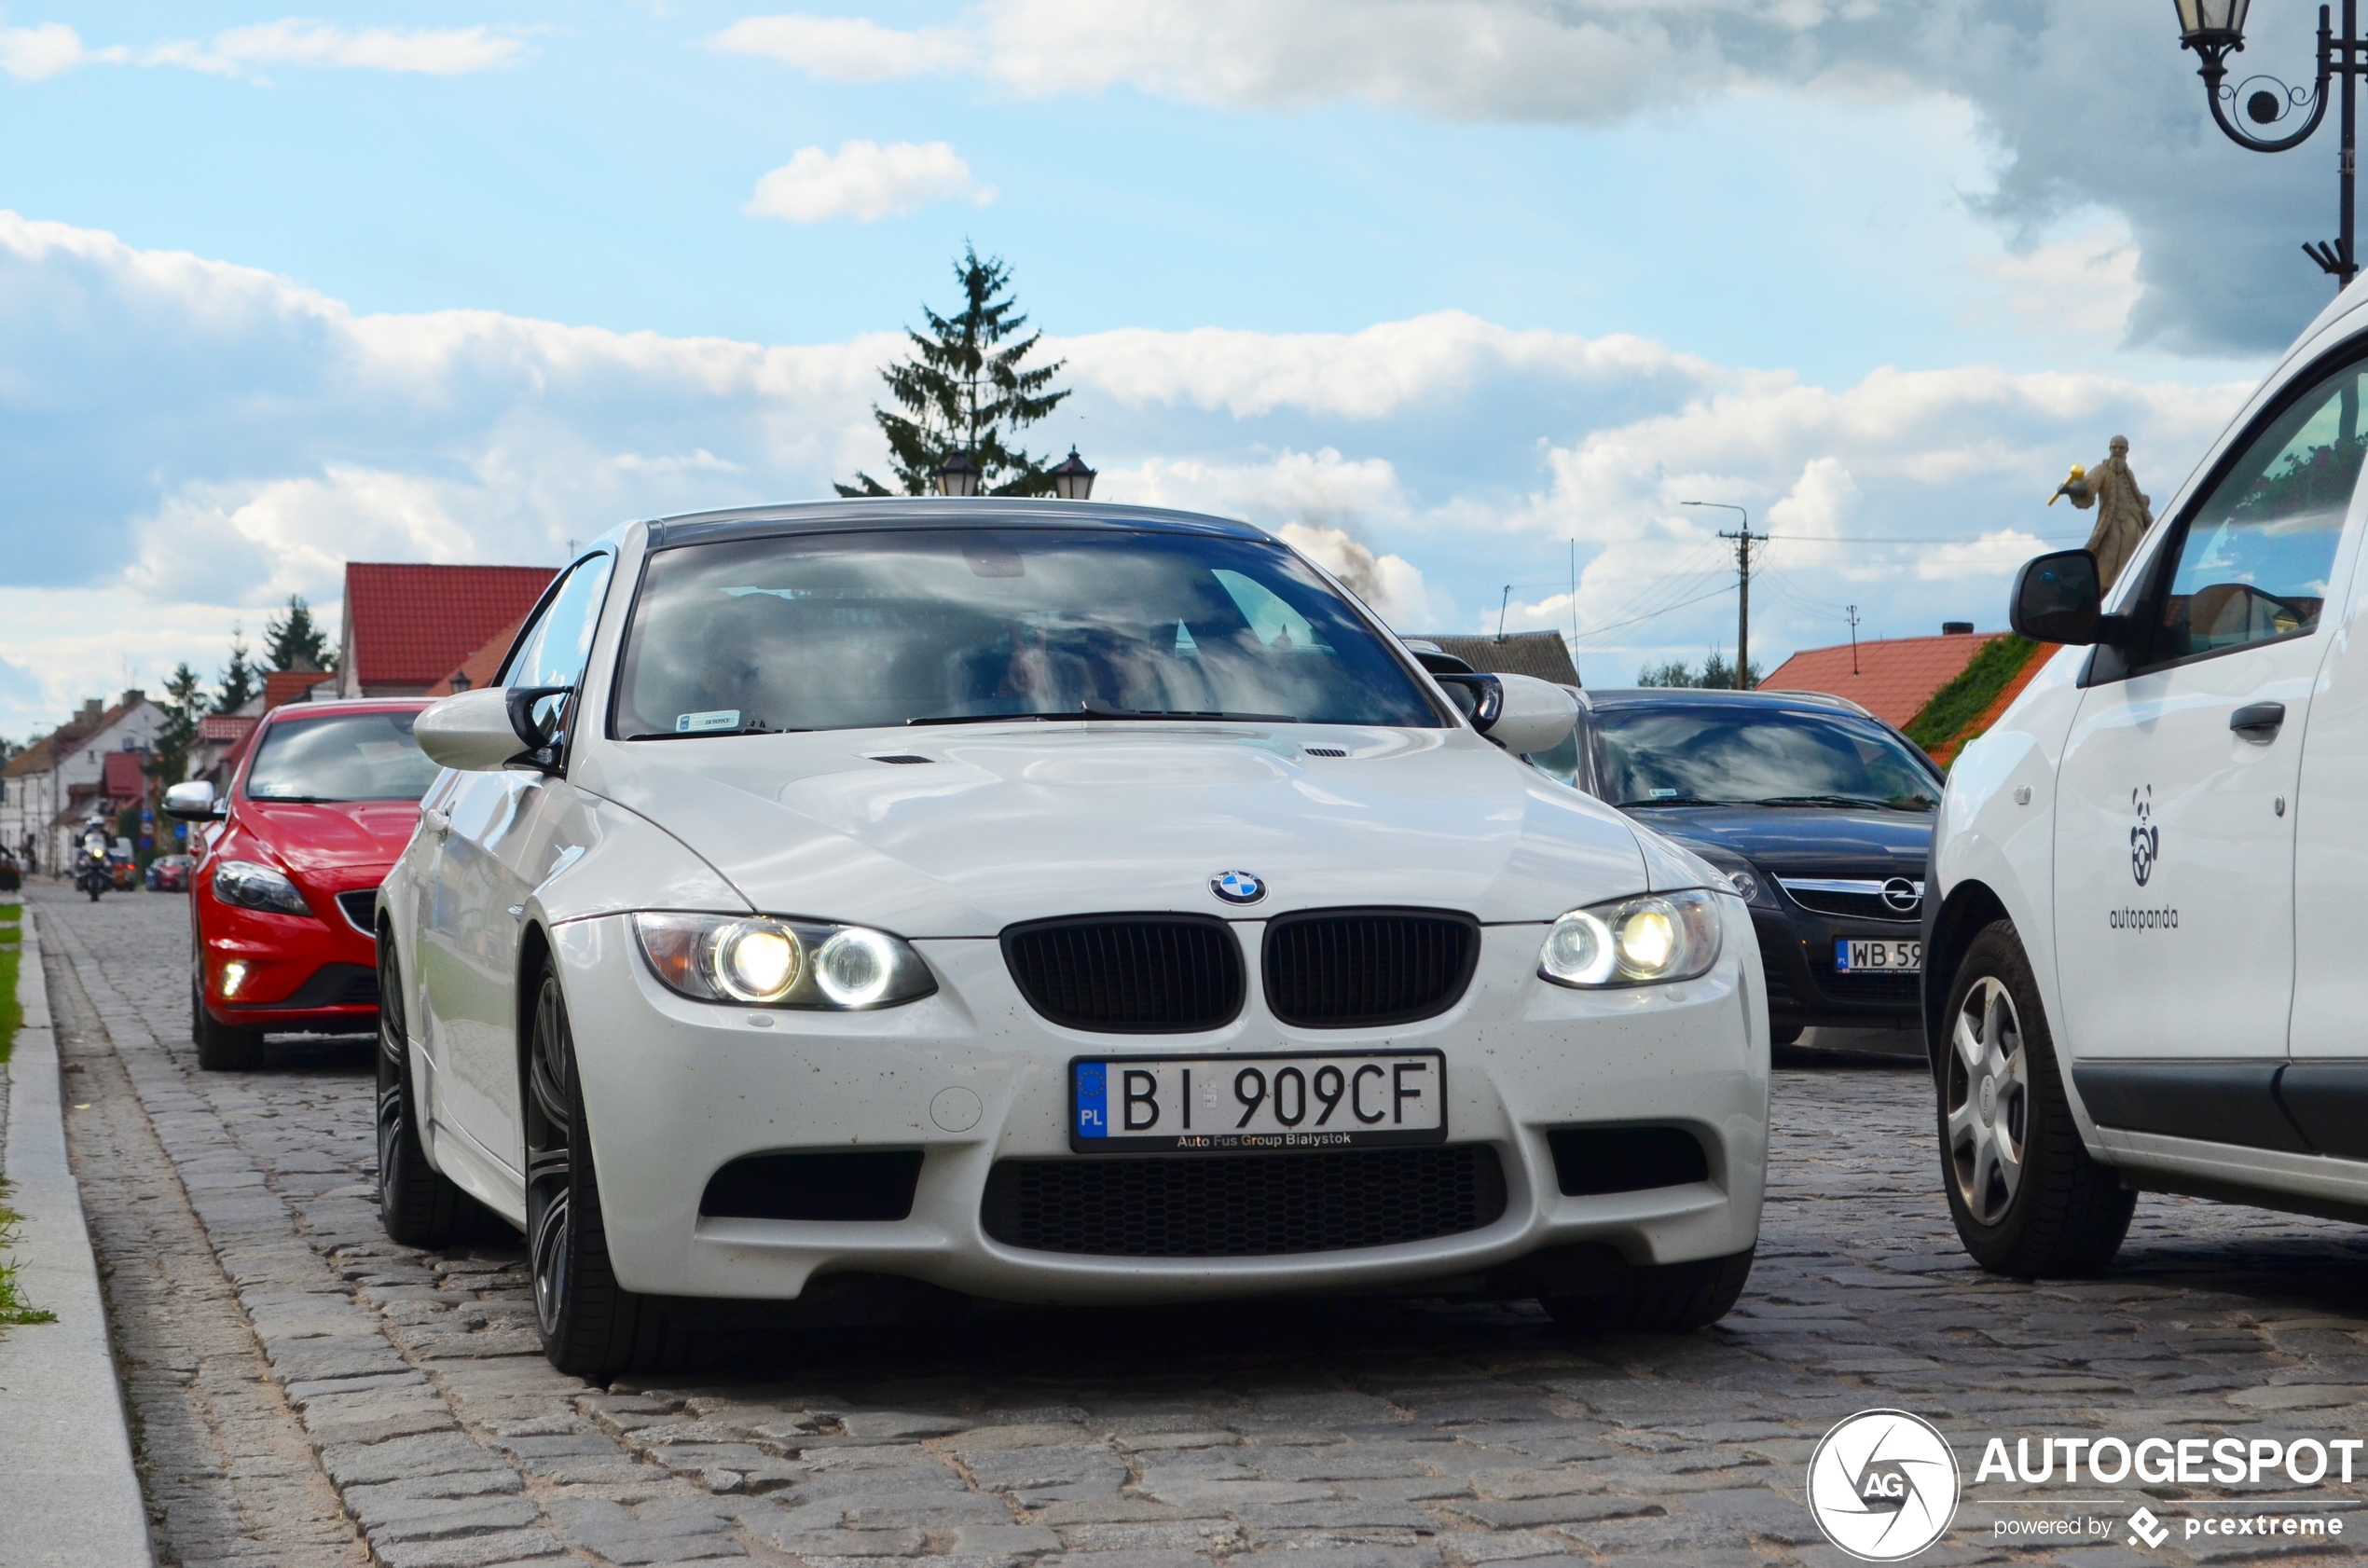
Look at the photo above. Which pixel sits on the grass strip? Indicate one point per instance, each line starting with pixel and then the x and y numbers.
pixel 13 1310
pixel 10 1015
pixel 1962 701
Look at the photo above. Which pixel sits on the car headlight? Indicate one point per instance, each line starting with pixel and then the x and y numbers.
pixel 758 961
pixel 246 885
pixel 1643 940
pixel 1741 875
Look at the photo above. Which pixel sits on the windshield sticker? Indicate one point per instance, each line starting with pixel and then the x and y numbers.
pixel 1661 794
pixel 714 719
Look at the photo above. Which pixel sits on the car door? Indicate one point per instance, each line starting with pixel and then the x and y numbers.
pixel 498 836
pixel 2174 825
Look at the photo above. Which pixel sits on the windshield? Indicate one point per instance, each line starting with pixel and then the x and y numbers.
pixel 345 757
pixel 941 626
pixel 1685 754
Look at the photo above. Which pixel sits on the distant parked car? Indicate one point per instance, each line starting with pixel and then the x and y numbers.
pixel 286 888
pixel 1818 812
pixel 170 873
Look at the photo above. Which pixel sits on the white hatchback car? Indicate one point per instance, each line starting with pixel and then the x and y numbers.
pixel 1046 902
pixel 2143 945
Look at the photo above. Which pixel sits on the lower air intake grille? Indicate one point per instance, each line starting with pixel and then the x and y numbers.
pixel 1248 1205
pixel 836 1184
pixel 1140 975
pixel 1351 968
pixel 1871 987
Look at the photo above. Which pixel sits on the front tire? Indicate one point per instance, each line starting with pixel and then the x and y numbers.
pixel 1672 1298
pixel 221 1049
pixel 418 1204
pixel 2026 1198
pixel 591 1326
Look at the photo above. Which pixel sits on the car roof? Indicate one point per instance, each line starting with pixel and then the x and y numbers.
pixel 291 711
pixel 933 512
pixel 1698 696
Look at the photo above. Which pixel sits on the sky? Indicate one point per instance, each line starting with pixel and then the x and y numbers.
pixel 1465 298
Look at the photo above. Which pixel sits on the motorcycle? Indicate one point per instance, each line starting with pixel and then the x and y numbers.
pixel 92 874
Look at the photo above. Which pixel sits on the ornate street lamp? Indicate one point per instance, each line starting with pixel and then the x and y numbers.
pixel 1073 480
pixel 2215 28
pixel 957 476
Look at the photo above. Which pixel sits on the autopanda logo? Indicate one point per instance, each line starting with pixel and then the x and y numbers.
pixel 1884 1485
pixel 2145 839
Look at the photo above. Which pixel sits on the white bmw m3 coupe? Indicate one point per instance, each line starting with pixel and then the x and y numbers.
pixel 1048 901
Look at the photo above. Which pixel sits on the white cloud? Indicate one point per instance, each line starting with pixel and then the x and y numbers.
pixel 866 182
pixel 33 54
pixel 207 438
pixel 845 48
pixel 53 48
pixel 2083 285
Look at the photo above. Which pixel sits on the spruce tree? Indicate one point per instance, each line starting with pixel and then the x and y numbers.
pixel 293 642
pixel 183 705
pixel 964 390
pixel 239 685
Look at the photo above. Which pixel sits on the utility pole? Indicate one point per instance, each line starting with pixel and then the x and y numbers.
pixel 1743 541
pixel 1854 639
pixel 1503 605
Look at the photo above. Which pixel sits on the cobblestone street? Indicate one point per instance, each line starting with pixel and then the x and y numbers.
pixel 305 1392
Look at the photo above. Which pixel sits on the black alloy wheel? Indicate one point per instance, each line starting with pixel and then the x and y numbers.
pixel 591 1326
pixel 418 1204
pixel 2026 1199
pixel 221 1049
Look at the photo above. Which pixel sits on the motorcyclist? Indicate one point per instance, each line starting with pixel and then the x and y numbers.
pixel 92 874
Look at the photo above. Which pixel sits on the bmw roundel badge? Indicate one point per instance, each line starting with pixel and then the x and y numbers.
pixel 1237 887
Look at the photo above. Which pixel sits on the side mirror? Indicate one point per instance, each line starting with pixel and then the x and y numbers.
pixel 2057 599
pixel 192 801
pixel 1519 712
pixel 494 727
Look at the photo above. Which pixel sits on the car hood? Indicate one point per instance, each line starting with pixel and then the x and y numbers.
pixel 333 839
pixel 997 826
pixel 1805 841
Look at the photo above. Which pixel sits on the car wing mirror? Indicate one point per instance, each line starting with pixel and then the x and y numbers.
pixel 495 727
pixel 2057 598
pixel 192 801
pixel 1519 712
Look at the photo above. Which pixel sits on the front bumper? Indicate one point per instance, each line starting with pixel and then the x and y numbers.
pixel 300 973
pixel 674 1090
pixel 1804 989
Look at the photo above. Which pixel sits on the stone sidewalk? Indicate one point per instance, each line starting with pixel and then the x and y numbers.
pixel 1378 1434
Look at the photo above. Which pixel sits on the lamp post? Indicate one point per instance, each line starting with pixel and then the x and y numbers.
pixel 957 476
pixel 2215 28
pixel 1072 480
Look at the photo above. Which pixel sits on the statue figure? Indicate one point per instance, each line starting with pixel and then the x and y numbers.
pixel 2123 514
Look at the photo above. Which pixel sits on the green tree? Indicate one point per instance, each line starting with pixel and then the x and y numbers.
pixel 1717 674
pixel 964 390
pixel 293 642
pixel 238 683
pixel 183 705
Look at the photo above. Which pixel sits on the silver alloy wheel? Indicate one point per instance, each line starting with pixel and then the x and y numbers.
pixel 550 1171
pixel 1989 1099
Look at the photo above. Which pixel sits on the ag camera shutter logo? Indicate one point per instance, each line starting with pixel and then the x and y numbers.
pixel 1884 1485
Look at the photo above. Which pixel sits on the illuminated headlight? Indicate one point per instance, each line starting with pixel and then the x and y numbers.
pixel 759 961
pixel 1642 941
pixel 245 885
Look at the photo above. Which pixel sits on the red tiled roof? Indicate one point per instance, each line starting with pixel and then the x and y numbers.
pixel 218 727
pixel 287 685
pixel 413 625
pixel 481 668
pixel 122 776
pixel 1895 677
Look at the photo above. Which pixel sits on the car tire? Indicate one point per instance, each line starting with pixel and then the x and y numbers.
pixel 1672 1298
pixel 1785 1035
pixel 418 1204
pixel 221 1049
pixel 591 1326
pixel 2026 1198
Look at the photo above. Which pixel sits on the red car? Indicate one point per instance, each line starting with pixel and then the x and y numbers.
pixel 283 892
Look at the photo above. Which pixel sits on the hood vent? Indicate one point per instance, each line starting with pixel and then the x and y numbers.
pixel 1367 969
pixel 1325 751
pixel 1129 974
pixel 904 757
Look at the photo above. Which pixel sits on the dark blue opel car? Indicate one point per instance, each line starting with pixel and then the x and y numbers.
pixel 1820 814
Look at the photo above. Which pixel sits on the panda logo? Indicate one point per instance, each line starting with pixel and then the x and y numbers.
pixel 2145 839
